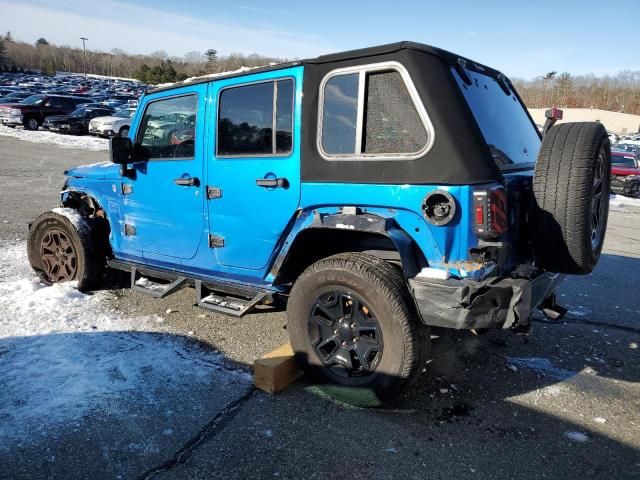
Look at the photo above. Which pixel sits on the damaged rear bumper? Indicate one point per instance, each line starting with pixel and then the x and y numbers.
pixel 491 303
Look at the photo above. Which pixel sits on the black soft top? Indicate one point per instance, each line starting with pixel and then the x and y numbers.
pixel 459 154
pixel 389 48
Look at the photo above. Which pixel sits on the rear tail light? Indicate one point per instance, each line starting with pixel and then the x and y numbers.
pixel 491 217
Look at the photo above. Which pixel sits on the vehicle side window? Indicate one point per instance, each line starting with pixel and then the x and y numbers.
pixel 247 123
pixel 391 121
pixel 340 114
pixel 54 102
pixel 370 113
pixel 69 103
pixel 167 129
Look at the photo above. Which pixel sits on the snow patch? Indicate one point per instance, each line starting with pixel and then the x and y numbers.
pixel 576 436
pixel 542 366
pixel 345 226
pixel 435 273
pixel 149 285
pixel 621 200
pixel 65 355
pixel 77 220
pixel 579 310
pixel 67 141
pixel 210 75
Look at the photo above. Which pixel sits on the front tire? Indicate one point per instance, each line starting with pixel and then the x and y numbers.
pixel 31 123
pixel 124 132
pixel 62 247
pixel 353 324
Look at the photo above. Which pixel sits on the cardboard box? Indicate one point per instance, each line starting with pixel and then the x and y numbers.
pixel 276 370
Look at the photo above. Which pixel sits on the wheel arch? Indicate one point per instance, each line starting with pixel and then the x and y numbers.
pixel 89 207
pixel 331 234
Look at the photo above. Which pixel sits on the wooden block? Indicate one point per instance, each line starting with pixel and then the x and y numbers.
pixel 275 370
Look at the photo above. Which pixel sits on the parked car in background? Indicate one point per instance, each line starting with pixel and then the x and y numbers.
pixel 14 97
pixel 625 173
pixel 77 122
pixel 110 126
pixel 32 111
pixel 95 105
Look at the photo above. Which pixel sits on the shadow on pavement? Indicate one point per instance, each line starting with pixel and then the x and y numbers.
pixel 561 402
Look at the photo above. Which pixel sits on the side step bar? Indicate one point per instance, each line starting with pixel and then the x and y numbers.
pixel 142 284
pixel 222 302
pixel 218 296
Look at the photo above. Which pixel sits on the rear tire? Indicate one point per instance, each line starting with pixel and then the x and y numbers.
pixel 401 341
pixel 61 251
pixel 571 192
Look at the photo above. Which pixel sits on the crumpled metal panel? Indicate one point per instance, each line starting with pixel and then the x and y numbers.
pixel 493 303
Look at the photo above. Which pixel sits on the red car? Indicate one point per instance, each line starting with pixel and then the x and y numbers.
pixel 625 174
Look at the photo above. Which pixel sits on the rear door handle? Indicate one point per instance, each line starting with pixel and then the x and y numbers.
pixel 187 182
pixel 272 182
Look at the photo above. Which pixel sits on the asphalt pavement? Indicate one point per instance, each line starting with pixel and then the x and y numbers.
pixel 561 402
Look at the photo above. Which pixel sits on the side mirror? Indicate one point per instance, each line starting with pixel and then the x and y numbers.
pixel 120 150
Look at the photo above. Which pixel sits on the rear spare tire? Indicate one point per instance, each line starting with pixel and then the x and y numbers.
pixel 571 197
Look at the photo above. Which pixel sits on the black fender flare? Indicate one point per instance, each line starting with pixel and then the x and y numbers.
pixel 355 226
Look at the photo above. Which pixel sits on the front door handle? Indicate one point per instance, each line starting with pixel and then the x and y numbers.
pixel 187 181
pixel 272 182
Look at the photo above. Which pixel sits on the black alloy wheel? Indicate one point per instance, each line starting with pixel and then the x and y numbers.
pixel 345 334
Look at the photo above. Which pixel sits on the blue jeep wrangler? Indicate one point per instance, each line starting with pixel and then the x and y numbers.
pixel 377 192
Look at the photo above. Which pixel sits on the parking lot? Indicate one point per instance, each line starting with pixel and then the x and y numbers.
pixel 119 385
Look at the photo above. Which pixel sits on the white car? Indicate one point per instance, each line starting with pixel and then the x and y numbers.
pixel 115 125
pixel 613 138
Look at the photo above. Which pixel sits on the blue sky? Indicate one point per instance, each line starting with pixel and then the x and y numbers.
pixel 523 39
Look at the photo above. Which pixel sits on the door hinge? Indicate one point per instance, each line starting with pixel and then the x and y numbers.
pixel 129 230
pixel 216 241
pixel 127 188
pixel 214 192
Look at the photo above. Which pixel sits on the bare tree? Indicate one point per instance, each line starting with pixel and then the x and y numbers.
pixel 51 58
pixel 616 93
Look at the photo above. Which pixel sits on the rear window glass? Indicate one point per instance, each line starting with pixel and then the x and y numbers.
pixel 506 127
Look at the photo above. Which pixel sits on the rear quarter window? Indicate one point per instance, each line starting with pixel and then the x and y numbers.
pixel 372 112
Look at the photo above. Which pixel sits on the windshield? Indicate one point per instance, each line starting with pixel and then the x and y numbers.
pixel 33 100
pixel 124 113
pixel 78 113
pixel 507 129
pixel 621 161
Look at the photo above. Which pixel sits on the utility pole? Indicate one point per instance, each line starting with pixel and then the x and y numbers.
pixel 84 56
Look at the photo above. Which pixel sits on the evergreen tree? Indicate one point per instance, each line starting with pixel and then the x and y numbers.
pixel 3 51
pixel 212 57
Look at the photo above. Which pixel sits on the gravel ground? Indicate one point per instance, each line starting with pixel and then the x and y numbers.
pixel 562 402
